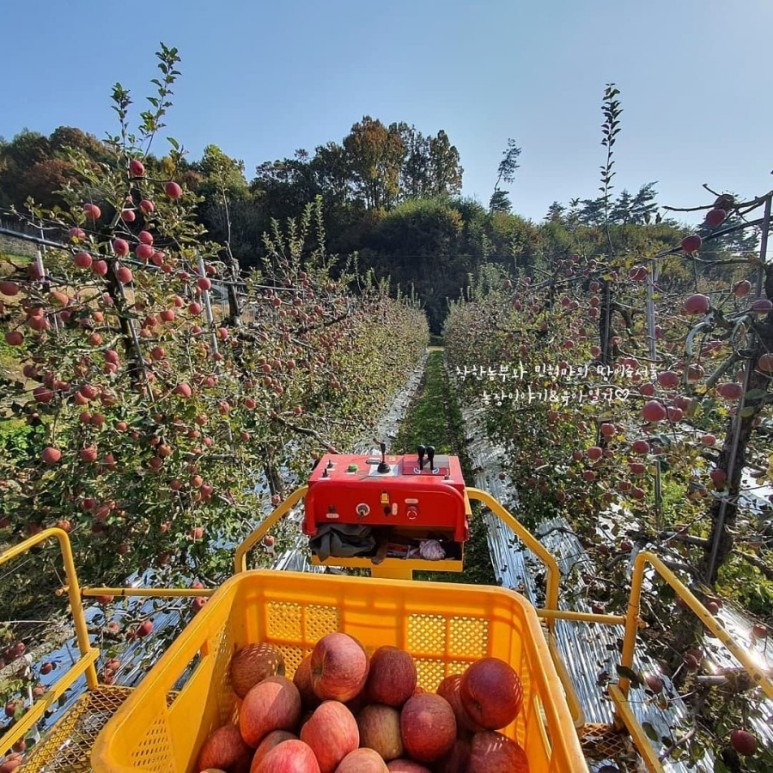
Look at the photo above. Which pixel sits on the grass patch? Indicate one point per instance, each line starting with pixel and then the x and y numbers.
pixel 435 418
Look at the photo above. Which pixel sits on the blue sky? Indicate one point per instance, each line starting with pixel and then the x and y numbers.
pixel 262 78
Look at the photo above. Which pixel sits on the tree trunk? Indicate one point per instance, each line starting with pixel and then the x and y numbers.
pixel 720 538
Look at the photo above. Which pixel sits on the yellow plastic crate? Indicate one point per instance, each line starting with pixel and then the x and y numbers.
pixel 444 626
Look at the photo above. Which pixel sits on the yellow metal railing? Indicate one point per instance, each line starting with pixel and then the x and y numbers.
pixel 240 559
pixel 84 664
pixel 619 692
pixel 624 716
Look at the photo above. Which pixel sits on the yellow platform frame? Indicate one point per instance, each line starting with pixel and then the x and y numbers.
pixel 624 716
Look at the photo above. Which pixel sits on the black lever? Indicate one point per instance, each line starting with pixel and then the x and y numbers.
pixel 383 466
pixel 420 451
pixel 431 457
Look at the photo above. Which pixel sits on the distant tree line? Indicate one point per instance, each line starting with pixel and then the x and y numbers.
pixel 391 194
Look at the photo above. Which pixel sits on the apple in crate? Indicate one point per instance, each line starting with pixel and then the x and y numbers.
pixel 362 761
pixel 274 738
pixel 458 759
pixel 332 733
pixel 339 667
pixel 406 766
pixel 491 693
pixel 252 664
pixel 288 757
pixel 427 726
pixel 225 749
pixel 302 680
pixel 391 678
pixel 380 730
pixel 492 752
pixel 273 704
pixel 450 689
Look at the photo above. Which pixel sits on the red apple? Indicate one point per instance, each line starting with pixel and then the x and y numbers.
pixel 406 766
pixel 691 243
pixel 51 455
pixel 730 390
pixel 332 733
pixel 362 761
pixel 137 169
pixel 718 477
pixel 654 683
pixel 449 689
pixel 120 247
pixel 288 757
pixel 495 753
pixel 741 289
pixel 765 363
pixel 715 217
pixel 274 738
pixel 594 453
pixel 427 726
pixel 697 304
pixel 92 211
pixel 762 306
pixel 124 275
pixel 9 288
pixel 253 664
pixel 88 454
pixel 458 759
pixel 491 693
pixel 225 749
pixel 392 677
pixel 99 267
pixel 145 627
pixel 302 680
pixel 11 762
pixel 743 742
pixel 379 727
pixel 146 206
pixel 14 338
pixel 654 410
pixel 339 667
pixel 144 251
pixel 668 379
pixel 173 190
pixel 273 704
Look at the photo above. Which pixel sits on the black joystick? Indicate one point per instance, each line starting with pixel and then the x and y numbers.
pixel 431 457
pixel 382 465
pixel 420 451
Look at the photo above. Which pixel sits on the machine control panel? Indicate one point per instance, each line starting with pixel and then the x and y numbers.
pixel 412 490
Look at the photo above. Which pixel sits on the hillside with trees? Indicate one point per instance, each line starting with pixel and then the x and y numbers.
pixel 390 195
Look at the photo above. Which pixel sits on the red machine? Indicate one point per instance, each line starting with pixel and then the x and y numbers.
pixel 398 502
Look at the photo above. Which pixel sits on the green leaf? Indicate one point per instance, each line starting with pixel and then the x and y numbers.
pixel 755 394
pixel 745 413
